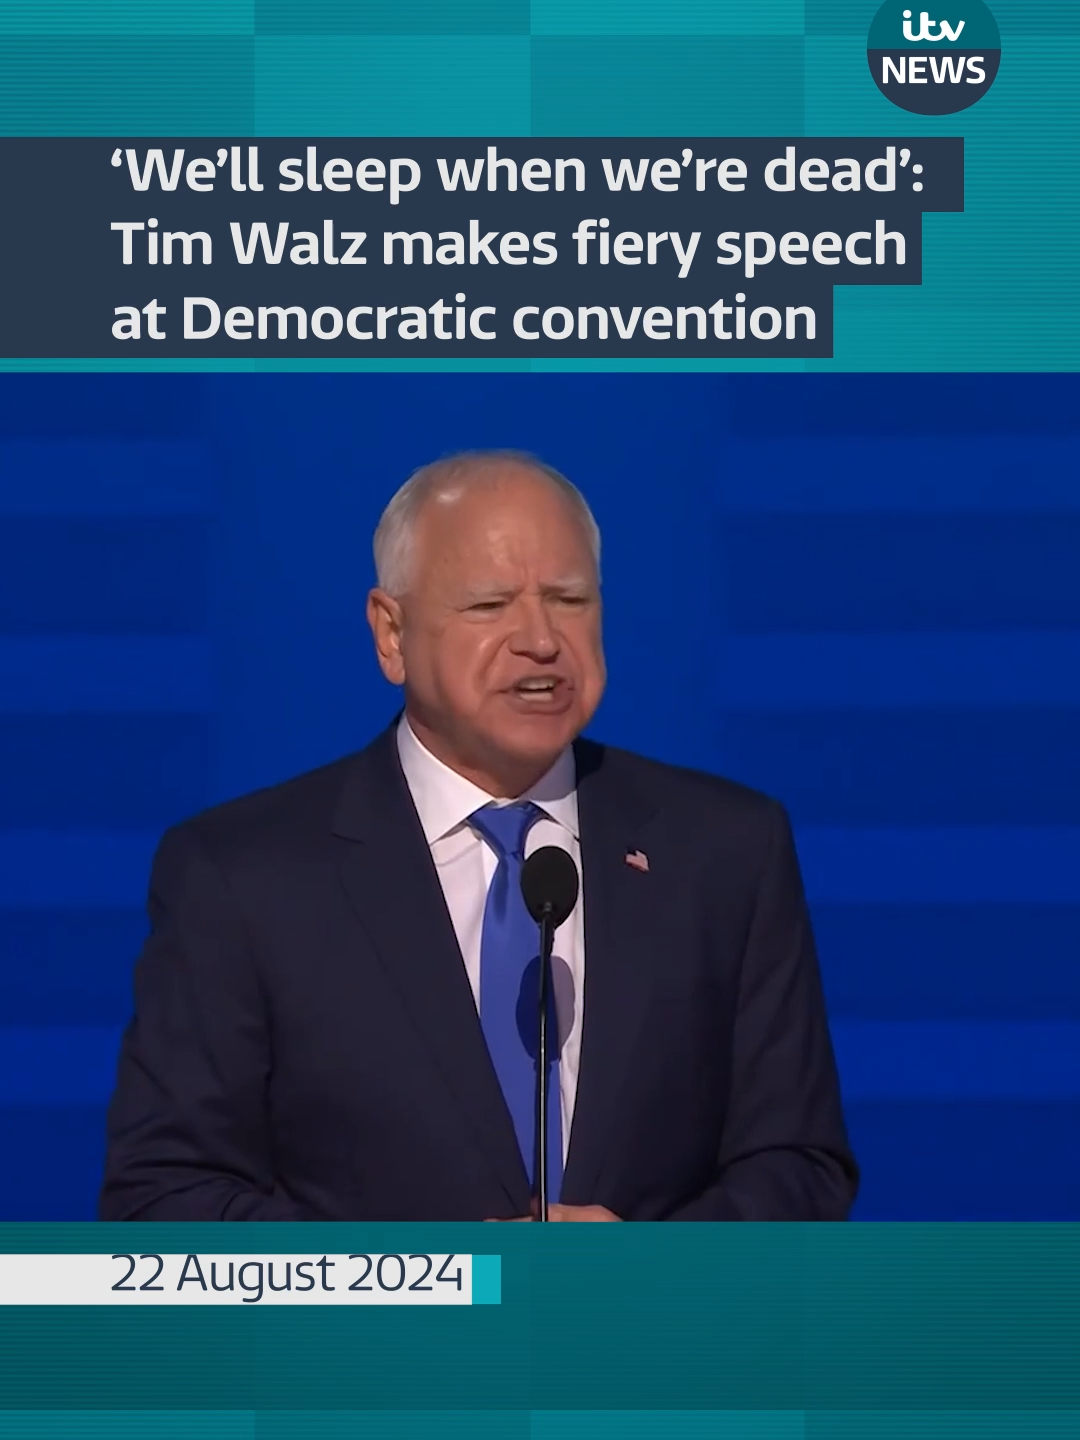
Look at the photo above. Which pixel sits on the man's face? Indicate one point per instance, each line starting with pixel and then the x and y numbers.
pixel 497 641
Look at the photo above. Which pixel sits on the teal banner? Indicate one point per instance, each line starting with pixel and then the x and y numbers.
pixel 999 285
pixel 834 1320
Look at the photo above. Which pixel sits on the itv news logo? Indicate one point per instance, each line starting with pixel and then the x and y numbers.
pixel 934 66
pixel 926 25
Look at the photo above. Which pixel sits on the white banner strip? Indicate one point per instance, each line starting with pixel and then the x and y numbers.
pixel 152 1279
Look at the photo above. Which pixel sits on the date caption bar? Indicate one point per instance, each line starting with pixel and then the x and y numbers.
pixel 203 1279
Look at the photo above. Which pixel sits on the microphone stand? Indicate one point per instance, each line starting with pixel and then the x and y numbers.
pixel 547 943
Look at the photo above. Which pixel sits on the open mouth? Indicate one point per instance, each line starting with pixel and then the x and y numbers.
pixel 539 690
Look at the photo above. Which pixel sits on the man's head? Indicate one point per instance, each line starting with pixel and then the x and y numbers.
pixel 487 610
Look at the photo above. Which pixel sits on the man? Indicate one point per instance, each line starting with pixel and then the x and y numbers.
pixel 334 1009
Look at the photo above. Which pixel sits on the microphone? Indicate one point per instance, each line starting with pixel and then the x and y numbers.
pixel 549 887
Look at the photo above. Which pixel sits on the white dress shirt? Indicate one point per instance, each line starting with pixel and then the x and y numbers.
pixel 466 864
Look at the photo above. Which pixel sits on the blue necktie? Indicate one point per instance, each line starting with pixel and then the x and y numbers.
pixel 509 988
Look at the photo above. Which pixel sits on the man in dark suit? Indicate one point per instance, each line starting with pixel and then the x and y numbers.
pixel 334 1008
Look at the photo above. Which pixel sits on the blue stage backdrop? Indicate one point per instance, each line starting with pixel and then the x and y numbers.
pixel 860 593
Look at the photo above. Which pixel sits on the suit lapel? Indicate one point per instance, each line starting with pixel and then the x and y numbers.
pixel 394 888
pixel 620 958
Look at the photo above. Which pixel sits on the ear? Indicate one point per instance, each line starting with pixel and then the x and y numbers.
pixel 384 615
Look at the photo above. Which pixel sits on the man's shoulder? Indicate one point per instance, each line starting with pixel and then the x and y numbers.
pixel 285 814
pixel 695 816
pixel 680 785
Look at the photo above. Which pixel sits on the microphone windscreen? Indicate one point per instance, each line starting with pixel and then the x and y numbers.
pixel 549 884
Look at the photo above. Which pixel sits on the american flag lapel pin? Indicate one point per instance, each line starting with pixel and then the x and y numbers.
pixel 638 860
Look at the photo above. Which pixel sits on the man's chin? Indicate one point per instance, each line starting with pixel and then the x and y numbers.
pixel 534 740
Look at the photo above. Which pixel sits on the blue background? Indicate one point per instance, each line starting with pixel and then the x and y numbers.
pixel 861 593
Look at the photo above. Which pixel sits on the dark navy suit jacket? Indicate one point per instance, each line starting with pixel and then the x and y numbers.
pixel 306 1045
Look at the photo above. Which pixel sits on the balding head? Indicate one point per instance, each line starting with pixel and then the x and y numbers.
pixel 443 482
pixel 488 613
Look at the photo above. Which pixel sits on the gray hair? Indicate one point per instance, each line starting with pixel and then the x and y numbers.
pixel 445 479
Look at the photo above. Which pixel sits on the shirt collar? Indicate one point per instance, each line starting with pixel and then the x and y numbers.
pixel 444 799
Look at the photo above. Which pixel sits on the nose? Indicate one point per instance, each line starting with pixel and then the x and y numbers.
pixel 534 635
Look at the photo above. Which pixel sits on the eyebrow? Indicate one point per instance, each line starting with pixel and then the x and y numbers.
pixel 550 587
pixel 486 592
pixel 568 582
